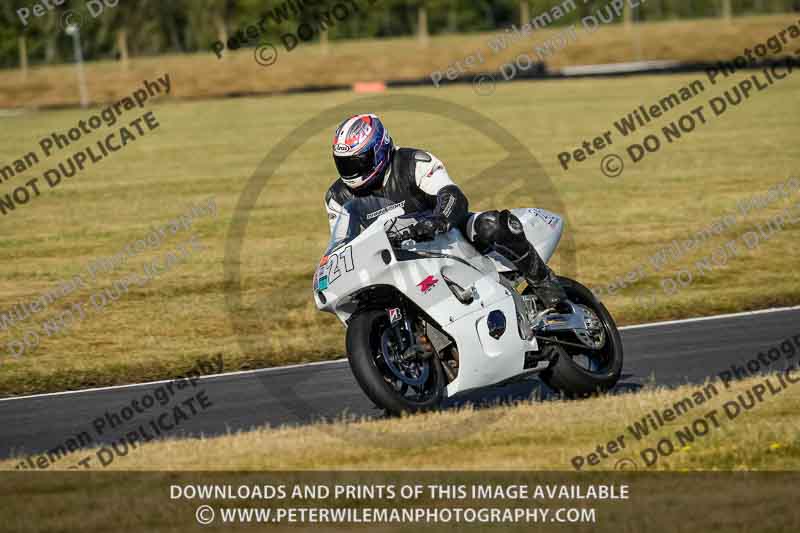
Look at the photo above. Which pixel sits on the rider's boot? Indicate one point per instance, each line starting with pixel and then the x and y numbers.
pixel 527 261
pixel 549 289
pixel 541 278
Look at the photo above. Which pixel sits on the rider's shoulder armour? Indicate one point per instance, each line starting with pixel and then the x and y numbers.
pixel 339 193
pixel 425 157
pixel 402 182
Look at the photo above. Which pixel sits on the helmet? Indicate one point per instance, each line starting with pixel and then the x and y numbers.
pixel 361 150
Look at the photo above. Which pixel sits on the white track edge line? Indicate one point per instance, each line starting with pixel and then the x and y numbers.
pixel 713 317
pixel 337 361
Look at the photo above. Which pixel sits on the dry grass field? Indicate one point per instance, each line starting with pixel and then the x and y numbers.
pixel 707 224
pixel 525 437
pixel 210 148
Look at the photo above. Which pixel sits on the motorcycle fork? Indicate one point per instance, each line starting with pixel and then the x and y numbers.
pixel 404 336
pixel 420 344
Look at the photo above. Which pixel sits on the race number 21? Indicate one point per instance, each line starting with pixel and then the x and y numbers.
pixel 337 261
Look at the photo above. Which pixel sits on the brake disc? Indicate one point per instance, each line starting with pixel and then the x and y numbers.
pixel 594 334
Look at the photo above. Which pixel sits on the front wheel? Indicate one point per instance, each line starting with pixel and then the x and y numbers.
pixel 580 372
pixel 374 349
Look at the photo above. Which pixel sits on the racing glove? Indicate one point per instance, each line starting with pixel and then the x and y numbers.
pixel 451 211
pixel 452 205
pixel 426 230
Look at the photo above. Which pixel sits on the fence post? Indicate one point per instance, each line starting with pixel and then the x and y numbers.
pixel 23 57
pixel 631 26
pixel 122 47
pixel 727 11
pixel 323 41
pixel 524 12
pixel 222 32
pixel 422 25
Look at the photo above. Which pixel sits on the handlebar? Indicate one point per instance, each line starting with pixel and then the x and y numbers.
pixel 406 233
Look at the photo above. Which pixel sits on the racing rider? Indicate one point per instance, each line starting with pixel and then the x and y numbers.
pixel 379 176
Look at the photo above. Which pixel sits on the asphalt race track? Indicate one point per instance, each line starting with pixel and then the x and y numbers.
pixel 669 353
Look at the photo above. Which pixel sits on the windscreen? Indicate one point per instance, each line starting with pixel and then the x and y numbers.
pixel 357 215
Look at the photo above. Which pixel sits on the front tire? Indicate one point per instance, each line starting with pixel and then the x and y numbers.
pixel 366 352
pixel 572 379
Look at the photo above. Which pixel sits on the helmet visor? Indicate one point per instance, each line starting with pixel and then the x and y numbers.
pixel 355 166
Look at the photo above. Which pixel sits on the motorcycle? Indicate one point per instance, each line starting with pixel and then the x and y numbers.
pixel 433 319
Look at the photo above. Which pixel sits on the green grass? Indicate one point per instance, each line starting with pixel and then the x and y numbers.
pixel 211 148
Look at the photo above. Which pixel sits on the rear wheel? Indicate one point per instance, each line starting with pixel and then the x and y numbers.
pixel 374 350
pixel 582 371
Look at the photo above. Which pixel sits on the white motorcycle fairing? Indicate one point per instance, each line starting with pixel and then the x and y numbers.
pixel 423 272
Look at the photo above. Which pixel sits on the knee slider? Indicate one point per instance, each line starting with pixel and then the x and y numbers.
pixel 487 227
pixel 509 221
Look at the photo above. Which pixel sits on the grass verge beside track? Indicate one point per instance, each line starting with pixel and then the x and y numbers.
pixel 210 149
pixel 529 436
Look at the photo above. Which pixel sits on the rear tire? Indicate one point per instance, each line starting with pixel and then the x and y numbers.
pixel 564 374
pixel 364 353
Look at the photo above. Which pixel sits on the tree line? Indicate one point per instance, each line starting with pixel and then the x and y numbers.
pixel 35 35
